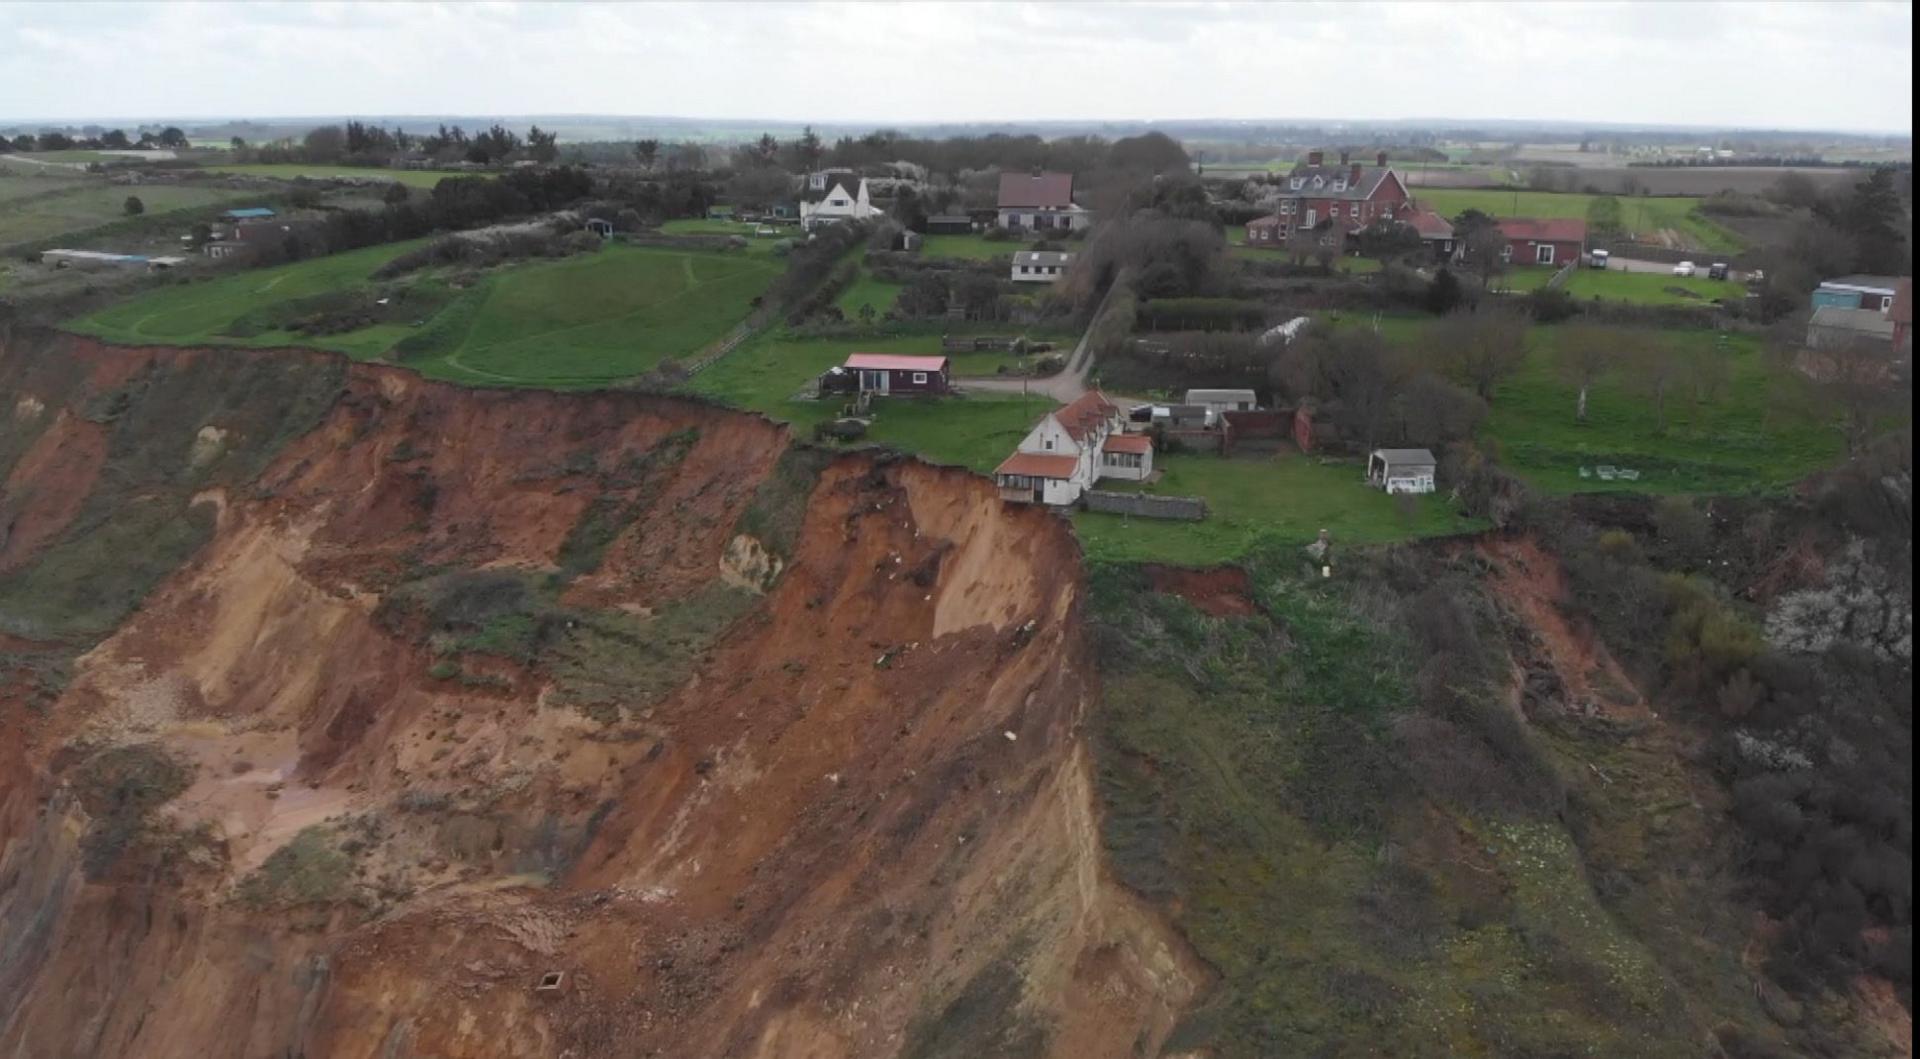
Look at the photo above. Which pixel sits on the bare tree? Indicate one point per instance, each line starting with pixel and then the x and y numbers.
pixel 645 151
pixel 1655 368
pixel 1707 372
pixel 1585 354
pixel 1482 347
pixel 1483 246
pixel 1857 384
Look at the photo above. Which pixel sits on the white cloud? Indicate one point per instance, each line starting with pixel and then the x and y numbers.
pixel 1725 64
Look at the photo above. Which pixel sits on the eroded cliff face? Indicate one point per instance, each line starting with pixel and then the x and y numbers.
pixel 475 723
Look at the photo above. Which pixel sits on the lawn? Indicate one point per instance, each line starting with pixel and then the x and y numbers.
pixel 977 247
pixel 1755 433
pixel 1286 499
pixel 868 291
pixel 1651 288
pixel 582 321
pixel 416 178
pixel 1522 278
pixel 1643 215
pixel 89 204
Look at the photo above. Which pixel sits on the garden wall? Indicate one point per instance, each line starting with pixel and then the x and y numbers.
pixel 1182 508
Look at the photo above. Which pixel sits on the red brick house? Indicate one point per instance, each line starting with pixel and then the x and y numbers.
pixel 1350 195
pixel 1556 242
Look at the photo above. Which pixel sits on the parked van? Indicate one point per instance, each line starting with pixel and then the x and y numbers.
pixel 1597 259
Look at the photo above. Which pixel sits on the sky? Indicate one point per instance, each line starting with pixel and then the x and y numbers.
pixel 1840 66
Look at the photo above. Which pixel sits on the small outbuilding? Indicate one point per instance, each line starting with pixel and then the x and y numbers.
pixel 250 213
pixel 949 224
pixel 600 226
pixel 1040 266
pixel 890 373
pixel 1402 470
pixel 1224 400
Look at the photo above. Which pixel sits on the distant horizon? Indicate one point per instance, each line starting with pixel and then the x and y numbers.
pixel 1427 124
pixel 1753 66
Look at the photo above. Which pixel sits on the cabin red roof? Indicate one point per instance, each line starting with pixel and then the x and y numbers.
pixel 1087 411
pixel 1554 230
pixel 1052 191
pixel 1430 225
pixel 1038 465
pixel 1139 443
pixel 893 362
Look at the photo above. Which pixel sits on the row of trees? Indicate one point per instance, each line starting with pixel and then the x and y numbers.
pixel 358 143
pixel 109 140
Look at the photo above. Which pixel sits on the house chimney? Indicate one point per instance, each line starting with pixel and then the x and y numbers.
pixel 1354 176
pixel 1380 159
pixel 1343 158
pixel 1316 157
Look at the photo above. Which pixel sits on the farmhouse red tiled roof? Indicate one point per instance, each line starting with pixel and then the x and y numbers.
pixel 894 362
pixel 1128 443
pixel 1036 191
pixel 1086 412
pixel 1038 465
pixel 1552 230
pixel 1430 225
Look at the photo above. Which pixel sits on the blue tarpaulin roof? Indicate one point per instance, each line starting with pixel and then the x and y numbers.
pixel 249 213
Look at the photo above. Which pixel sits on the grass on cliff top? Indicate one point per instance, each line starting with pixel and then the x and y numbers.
pixel 1253 502
pixel 581 321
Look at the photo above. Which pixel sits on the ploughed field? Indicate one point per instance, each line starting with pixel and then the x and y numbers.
pixel 579 321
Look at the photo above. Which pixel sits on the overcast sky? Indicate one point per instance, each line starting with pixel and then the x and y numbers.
pixel 1815 66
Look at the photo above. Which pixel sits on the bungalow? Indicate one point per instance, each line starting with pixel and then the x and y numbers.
pixel 1041 201
pixel 1070 449
pixel 839 205
pixel 1858 292
pixel 1401 470
pixel 1349 195
pixel 600 226
pixel 889 373
pixel 1039 266
pixel 1559 241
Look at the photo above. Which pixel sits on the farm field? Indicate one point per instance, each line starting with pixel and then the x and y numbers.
pixel 90 204
pixel 1285 499
pixel 578 322
pixel 416 178
pixel 16 184
pixel 1650 288
pixel 1643 215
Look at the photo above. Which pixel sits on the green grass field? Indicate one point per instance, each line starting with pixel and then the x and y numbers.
pixel 83 204
pixel 416 178
pixel 17 184
pixel 1755 434
pixel 976 247
pixel 1286 499
pixel 1521 279
pixel 1644 215
pixel 870 292
pixel 581 321
pixel 1650 288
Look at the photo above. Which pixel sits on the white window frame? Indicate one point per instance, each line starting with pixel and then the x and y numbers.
pixel 1543 254
pixel 920 378
pixel 1506 252
pixel 1312 218
pixel 1297 183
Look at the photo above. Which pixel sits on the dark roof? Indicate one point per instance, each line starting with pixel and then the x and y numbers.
pixel 949 218
pixel 1551 230
pixel 1371 177
pixel 1036 191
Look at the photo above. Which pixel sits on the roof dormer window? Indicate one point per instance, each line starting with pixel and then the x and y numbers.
pixel 1296 183
pixel 1319 182
pixel 1340 185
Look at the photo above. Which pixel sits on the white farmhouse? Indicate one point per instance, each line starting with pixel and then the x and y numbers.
pixel 839 205
pixel 1039 266
pixel 1072 448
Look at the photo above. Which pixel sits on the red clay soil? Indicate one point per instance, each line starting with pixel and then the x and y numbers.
pixel 1222 591
pixel 1533 584
pixel 871 796
pixel 47 487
